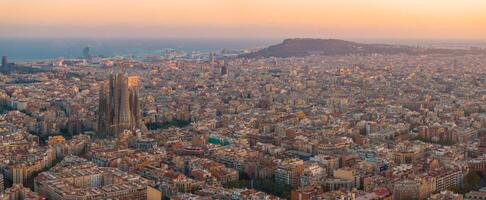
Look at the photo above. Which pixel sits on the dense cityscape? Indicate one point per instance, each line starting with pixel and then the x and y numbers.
pixel 242 100
pixel 220 126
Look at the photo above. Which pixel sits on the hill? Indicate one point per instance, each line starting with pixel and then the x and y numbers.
pixel 305 46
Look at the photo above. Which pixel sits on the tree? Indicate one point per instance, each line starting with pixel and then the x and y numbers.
pixel 471 180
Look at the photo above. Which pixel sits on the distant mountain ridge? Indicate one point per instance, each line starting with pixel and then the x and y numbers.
pixel 300 47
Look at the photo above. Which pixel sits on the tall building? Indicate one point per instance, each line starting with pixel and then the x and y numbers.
pixel 4 61
pixel 288 172
pixel 86 53
pixel 224 68
pixel 119 105
pixel 212 58
pixel 447 178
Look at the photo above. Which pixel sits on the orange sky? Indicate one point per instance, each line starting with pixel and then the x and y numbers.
pixel 244 18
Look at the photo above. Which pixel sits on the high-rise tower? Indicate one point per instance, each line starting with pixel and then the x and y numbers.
pixel 119 105
pixel 224 68
pixel 212 58
pixel 86 53
pixel 4 61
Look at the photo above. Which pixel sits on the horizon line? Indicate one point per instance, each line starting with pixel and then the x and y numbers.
pixel 240 38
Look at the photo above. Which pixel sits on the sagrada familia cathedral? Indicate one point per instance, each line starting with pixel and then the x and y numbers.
pixel 119 105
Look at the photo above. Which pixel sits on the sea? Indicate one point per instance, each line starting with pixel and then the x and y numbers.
pixel 26 49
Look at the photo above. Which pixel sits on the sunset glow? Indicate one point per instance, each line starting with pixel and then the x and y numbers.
pixel 244 18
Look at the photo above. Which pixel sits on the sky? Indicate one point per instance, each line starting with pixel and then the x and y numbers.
pixel 440 19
